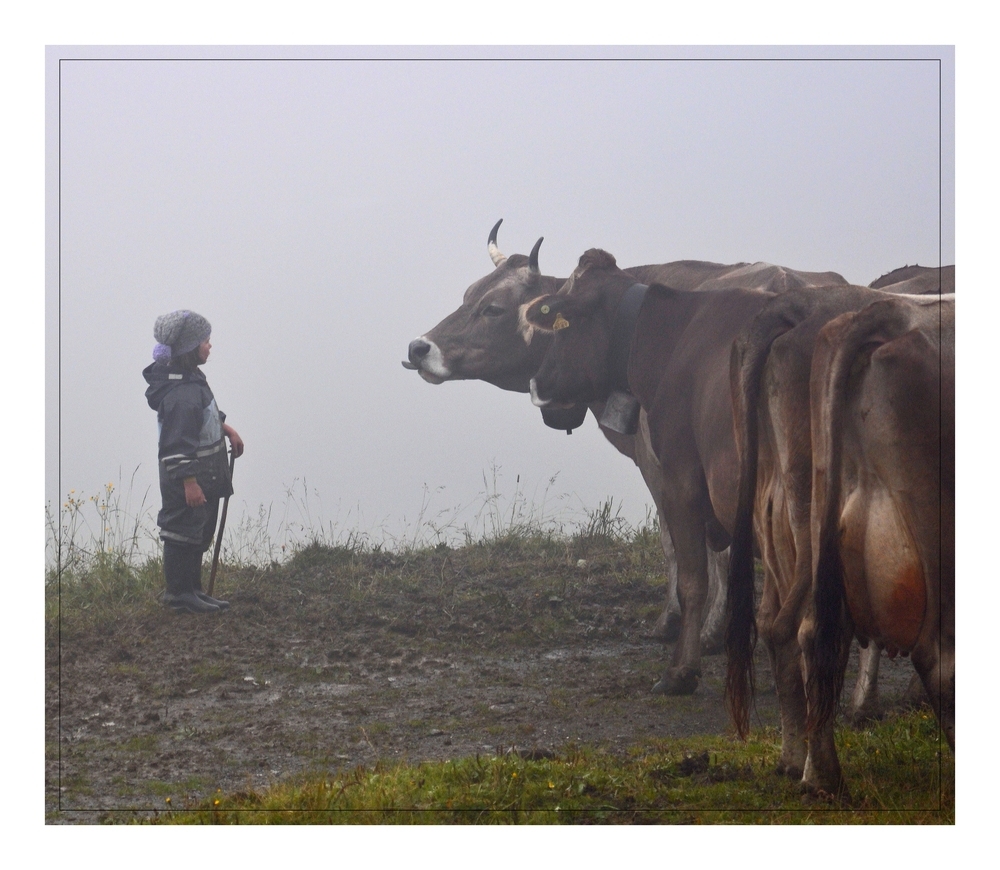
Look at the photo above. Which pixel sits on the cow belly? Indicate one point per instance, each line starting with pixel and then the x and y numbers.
pixel 883 575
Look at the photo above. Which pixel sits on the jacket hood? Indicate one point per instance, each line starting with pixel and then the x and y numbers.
pixel 163 377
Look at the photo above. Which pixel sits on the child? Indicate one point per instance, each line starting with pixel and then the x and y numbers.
pixel 194 470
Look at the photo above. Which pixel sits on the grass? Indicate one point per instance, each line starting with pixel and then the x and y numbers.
pixel 104 562
pixel 143 743
pixel 897 776
pixel 99 569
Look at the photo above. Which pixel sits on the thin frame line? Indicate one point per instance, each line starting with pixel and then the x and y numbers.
pixel 938 60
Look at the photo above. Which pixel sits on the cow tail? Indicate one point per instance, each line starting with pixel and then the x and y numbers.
pixel 828 400
pixel 746 366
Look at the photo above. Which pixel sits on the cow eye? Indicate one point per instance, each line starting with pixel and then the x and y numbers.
pixel 492 311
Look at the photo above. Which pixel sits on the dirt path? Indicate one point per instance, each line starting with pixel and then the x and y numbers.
pixel 324 665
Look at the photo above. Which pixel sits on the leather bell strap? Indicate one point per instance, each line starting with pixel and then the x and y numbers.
pixel 622 332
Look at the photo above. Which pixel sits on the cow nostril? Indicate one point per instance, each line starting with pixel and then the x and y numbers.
pixel 418 350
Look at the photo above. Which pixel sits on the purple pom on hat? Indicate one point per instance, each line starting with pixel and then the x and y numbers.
pixel 161 353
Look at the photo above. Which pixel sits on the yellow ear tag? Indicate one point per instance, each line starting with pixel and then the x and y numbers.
pixel 544 309
pixel 560 322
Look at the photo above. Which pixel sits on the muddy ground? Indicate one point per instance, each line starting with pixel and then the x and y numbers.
pixel 337 660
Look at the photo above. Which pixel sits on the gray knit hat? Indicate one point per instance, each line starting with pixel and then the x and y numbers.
pixel 178 332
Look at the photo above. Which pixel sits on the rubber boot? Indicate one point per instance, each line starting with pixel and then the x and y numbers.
pixel 175 571
pixel 195 568
pixel 180 595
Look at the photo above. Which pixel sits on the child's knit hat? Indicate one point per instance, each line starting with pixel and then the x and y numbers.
pixel 178 332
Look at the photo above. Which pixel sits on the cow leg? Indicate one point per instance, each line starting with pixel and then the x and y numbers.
pixel 822 773
pixel 937 672
pixel 688 535
pixel 784 657
pixel 785 554
pixel 668 626
pixel 713 630
pixel 864 699
pixel 915 694
pixel 786 663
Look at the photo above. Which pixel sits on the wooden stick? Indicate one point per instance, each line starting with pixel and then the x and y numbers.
pixel 222 525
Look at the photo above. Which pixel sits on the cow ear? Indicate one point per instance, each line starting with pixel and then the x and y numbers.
pixel 546 313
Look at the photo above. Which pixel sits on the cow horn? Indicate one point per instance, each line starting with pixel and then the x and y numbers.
pixel 495 255
pixel 533 258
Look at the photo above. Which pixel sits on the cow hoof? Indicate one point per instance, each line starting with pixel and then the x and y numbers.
pixel 682 682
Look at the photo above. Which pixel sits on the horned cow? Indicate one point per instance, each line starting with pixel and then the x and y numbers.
pixel 481 340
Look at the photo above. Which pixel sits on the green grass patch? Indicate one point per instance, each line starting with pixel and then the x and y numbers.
pixel 141 743
pixel 896 770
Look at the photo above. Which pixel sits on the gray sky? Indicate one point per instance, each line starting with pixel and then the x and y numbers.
pixel 322 213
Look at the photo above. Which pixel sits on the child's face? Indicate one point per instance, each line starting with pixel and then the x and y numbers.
pixel 203 351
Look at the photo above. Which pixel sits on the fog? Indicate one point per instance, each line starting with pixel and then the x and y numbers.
pixel 323 207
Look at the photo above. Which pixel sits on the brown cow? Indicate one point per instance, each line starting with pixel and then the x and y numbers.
pixel 674 358
pixel 909 280
pixel 775 423
pixel 769 378
pixel 480 340
pixel 883 530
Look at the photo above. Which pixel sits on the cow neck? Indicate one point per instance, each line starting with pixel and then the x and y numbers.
pixel 622 333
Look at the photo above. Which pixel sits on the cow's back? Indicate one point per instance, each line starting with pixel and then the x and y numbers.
pixel 683 274
pixel 771 278
pixel 917 281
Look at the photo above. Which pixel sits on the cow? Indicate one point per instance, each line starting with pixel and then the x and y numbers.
pixel 480 340
pixel 917 281
pixel 769 380
pixel 908 280
pixel 774 411
pixel 882 391
pixel 670 349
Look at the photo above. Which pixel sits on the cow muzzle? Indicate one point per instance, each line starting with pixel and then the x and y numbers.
pixel 425 358
pixel 417 352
